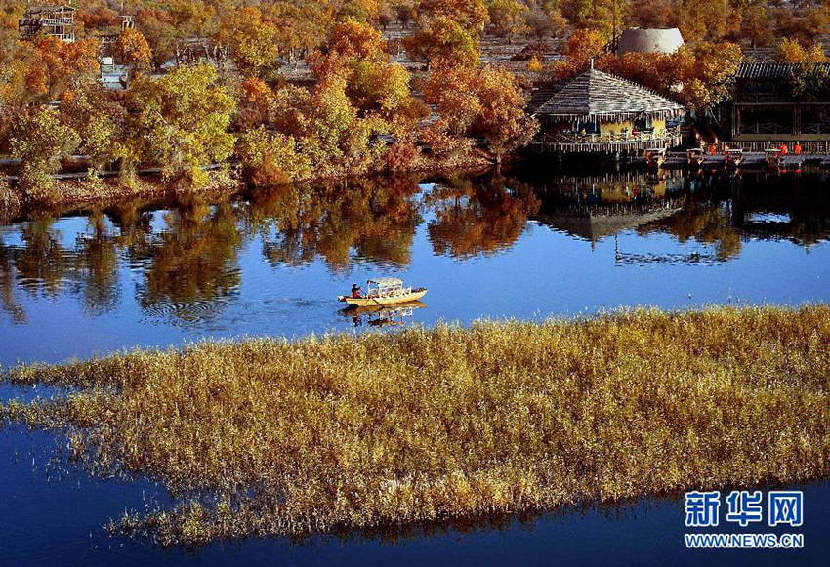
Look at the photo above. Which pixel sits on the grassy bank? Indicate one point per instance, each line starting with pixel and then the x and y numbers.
pixel 16 202
pixel 423 425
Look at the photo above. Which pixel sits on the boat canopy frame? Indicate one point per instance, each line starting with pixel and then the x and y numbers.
pixel 385 287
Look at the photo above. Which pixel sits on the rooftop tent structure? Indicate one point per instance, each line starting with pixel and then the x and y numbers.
pixel 598 96
pixel 649 40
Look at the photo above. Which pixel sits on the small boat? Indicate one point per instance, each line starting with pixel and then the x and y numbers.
pixel 385 291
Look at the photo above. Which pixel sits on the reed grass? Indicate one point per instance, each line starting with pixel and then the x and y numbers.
pixel 423 425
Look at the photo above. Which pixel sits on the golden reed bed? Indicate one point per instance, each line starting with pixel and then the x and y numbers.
pixel 341 433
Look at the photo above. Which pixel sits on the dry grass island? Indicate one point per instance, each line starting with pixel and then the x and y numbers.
pixel 340 433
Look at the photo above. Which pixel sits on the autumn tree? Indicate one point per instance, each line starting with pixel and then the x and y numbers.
pixel 271 158
pixel 653 13
pixel 366 11
pixel 181 121
pixel 191 17
pixel 339 141
pixel 58 65
pixel 542 22
pixel 132 49
pixel 449 30
pixel 302 25
pixel 40 142
pixel 472 15
pixel 98 120
pixel 357 52
pixel 96 15
pixel 444 39
pixel 791 51
pixel 255 105
pixel 507 17
pixel 253 40
pixel 598 15
pixel 706 72
pixel 756 23
pixel 484 103
pixel 699 76
pixel 160 33
pixel 582 46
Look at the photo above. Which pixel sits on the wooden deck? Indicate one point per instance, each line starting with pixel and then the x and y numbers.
pixel 632 146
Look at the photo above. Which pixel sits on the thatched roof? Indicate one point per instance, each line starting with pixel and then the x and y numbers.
pixel 595 95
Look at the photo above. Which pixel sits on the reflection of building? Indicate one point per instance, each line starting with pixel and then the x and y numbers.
pixel 649 40
pixel 596 207
pixel 54 20
pixel 766 106
pixel 597 112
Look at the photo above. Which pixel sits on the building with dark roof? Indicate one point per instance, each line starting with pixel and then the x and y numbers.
pixel 780 102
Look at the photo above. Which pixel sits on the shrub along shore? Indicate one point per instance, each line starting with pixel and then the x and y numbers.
pixel 340 432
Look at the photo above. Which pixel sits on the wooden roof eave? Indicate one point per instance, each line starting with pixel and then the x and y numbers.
pixel 610 117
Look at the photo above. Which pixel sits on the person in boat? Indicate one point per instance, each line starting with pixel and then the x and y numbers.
pixel 355 291
pixel 783 148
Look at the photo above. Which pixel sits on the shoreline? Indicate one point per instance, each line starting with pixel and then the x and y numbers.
pixel 84 194
pixel 334 433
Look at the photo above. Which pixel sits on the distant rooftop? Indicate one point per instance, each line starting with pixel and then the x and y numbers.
pixel 772 70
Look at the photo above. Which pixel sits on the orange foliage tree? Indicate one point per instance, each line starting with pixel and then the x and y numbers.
pixel 132 48
pixel 484 103
pixel 57 64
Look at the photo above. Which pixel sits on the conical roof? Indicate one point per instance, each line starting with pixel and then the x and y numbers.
pixel 594 95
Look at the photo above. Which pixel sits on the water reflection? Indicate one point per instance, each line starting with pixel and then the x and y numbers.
pixel 478 215
pixel 190 266
pixel 374 220
pixel 382 315
pixel 186 260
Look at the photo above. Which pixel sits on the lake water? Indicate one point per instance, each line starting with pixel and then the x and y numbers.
pixel 273 263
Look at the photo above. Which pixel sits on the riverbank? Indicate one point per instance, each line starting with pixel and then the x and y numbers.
pixel 270 437
pixel 81 194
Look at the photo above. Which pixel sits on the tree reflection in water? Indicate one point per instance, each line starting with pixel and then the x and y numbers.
pixel 192 265
pixel 187 258
pixel 478 216
pixel 374 218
